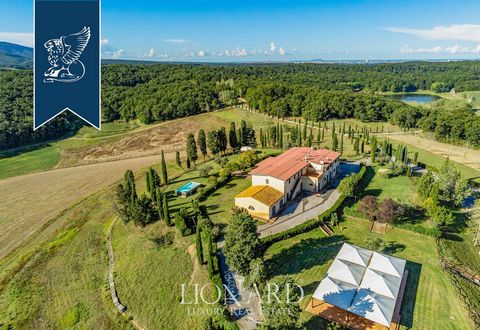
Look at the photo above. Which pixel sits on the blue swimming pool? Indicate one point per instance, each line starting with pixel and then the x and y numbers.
pixel 345 170
pixel 188 188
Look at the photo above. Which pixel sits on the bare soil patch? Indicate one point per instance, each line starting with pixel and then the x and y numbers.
pixel 169 136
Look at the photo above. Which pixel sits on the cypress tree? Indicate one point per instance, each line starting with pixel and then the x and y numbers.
pixel 232 136
pixel 189 164
pixel 277 140
pixel 342 133
pixel 356 146
pixel 363 147
pixel 334 142
pixel 239 137
pixel 202 142
pixel 159 201
pixel 374 149
pixel 209 256
pixel 163 165
pixel 243 130
pixel 281 136
pixel 318 138
pixel 198 244
pixel 299 137
pixel 434 193
pixel 305 124
pixel 262 142
pixel 192 148
pixel 177 159
pixel 222 140
pixel 405 155
pixel 131 189
pixel 152 184
pixel 166 210
pixel 148 180
pixel 409 172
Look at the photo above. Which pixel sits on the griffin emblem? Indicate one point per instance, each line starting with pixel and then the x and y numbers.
pixel 64 54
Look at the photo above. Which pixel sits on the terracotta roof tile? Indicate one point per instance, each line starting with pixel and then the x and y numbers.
pixel 284 166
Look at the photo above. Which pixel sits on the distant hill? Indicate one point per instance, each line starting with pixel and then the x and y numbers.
pixel 15 56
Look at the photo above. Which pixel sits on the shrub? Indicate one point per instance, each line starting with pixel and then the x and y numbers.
pixel 247 159
pixel 181 222
pixel 205 170
pixel 368 206
pixel 163 240
pixel 225 173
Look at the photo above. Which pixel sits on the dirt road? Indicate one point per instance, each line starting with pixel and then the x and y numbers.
pixel 29 201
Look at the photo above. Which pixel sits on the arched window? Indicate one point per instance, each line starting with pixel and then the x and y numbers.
pixel 251 208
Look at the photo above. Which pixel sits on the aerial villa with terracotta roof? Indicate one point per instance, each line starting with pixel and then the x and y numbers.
pixel 278 180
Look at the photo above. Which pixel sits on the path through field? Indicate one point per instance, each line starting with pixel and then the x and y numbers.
pixel 29 201
pixel 462 155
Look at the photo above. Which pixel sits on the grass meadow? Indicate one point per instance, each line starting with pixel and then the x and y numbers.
pixel 41 159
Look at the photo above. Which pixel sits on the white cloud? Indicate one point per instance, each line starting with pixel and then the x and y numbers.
pixel 25 39
pixel 273 48
pixel 104 42
pixel 464 32
pixel 115 54
pixel 177 41
pixel 202 53
pixel 455 49
pixel 281 51
pixel 150 53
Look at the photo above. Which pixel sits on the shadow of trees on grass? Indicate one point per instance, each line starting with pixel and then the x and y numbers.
pixel 304 255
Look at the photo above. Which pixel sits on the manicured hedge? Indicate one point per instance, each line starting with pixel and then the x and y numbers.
pixel 310 224
pixel 419 229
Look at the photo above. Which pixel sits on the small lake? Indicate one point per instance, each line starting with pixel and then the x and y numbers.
pixel 418 98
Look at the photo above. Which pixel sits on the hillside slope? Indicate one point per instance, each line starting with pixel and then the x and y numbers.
pixel 15 56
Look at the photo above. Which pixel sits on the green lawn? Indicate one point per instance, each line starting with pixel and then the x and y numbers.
pixel 430 301
pixel 45 158
pixel 399 188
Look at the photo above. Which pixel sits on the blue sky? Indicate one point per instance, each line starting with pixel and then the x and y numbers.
pixel 274 30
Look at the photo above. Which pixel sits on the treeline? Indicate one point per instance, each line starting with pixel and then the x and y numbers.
pixel 166 91
pixel 281 100
pixel 16 113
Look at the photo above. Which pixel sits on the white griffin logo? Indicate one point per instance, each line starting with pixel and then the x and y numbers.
pixel 64 54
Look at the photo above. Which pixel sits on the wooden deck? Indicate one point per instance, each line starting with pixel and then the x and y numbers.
pixel 341 316
pixel 352 321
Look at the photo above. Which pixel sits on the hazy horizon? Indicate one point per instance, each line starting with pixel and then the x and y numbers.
pixel 262 31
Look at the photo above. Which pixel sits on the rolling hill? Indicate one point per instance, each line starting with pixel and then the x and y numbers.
pixel 15 56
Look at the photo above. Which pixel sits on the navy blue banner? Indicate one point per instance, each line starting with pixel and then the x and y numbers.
pixel 67 60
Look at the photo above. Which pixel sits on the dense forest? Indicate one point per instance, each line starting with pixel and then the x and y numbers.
pixel 161 92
